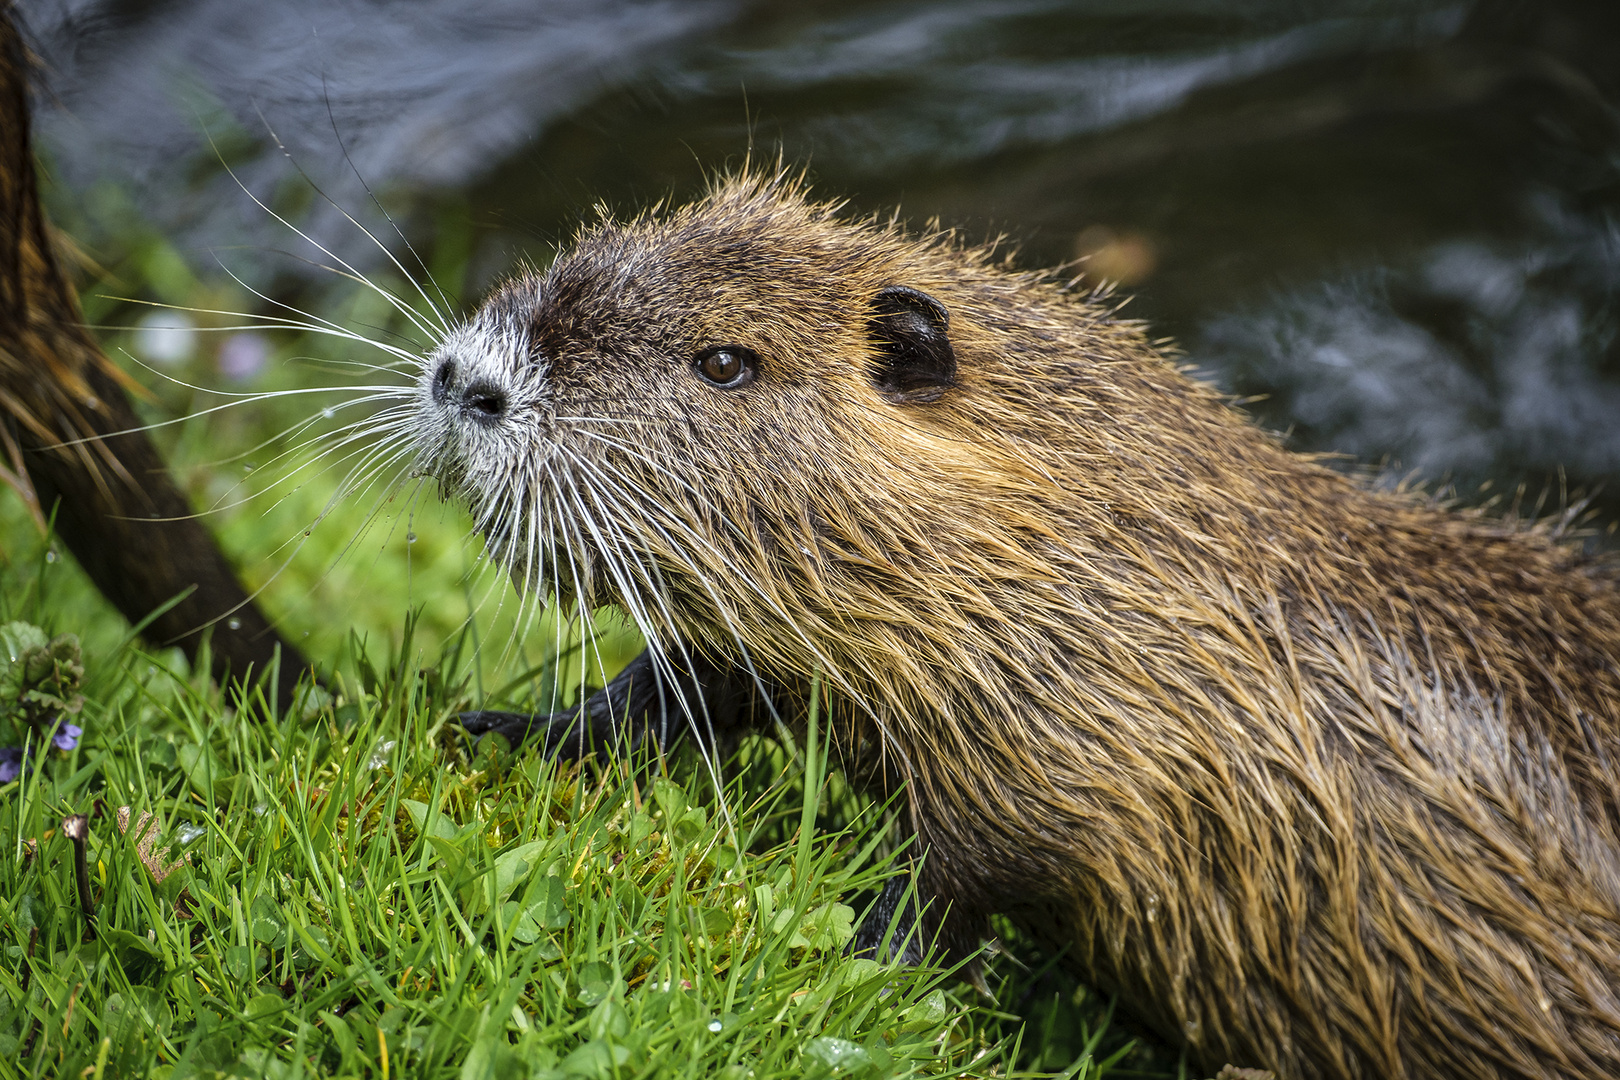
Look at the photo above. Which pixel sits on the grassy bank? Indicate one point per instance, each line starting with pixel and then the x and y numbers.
pixel 356 890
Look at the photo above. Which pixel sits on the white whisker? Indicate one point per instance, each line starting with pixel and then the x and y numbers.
pixel 387 297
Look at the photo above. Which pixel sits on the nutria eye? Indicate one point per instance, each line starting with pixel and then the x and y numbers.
pixel 728 366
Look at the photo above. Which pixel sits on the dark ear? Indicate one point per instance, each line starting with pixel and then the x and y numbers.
pixel 915 362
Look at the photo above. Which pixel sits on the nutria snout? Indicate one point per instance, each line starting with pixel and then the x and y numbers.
pixel 1314 778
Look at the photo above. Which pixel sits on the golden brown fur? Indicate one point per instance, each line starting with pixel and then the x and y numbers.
pixel 1316 778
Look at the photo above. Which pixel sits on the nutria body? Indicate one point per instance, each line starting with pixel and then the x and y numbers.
pixel 1315 778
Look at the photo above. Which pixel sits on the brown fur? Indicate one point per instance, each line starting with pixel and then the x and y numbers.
pixel 1315 778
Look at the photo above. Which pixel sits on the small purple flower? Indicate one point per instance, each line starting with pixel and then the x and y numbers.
pixel 67 736
pixel 11 759
pixel 243 356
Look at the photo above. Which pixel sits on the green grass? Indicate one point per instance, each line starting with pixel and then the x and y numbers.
pixel 357 891
pixel 354 890
pixel 361 890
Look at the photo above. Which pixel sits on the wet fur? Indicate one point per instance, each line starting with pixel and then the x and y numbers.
pixel 1315 778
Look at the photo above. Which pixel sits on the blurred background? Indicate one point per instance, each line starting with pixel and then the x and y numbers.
pixel 1390 224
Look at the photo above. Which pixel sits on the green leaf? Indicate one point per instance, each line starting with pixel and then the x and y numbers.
pixel 928 1013
pixel 317 948
pixel 690 825
pixel 17 640
pixel 609 1019
pixel 515 865
pixel 341 1034
pixel 419 812
pixel 595 1059
pixel 455 859
pixel 597 983
pixel 477 1065
pixel 712 922
pixel 765 903
pixel 119 1019
pixel 262 1005
pixel 671 799
pixel 839 1055
pixel 860 970
pixel 242 963
pixel 529 924
pixel 269 932
pixel 554 903
pixel 823 928
pixel 205 774
pixel 128 946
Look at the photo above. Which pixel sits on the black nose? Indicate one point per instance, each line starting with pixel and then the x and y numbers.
pixel 483 401
pixel 480 399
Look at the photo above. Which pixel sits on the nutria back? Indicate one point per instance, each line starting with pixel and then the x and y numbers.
pixel 1315 778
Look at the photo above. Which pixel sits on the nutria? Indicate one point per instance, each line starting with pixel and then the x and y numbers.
pixel 1315 778
pixel 77 451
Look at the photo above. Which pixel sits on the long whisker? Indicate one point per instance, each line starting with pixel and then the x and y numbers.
pixel 268 322
pixel 697 714
pixel 387 297
pixel 321 325
pixel 306 322
pixel 653 512
pixel 372 195
pixel 611 516
pixel 364 431
pixel 247 399
pixel 721 608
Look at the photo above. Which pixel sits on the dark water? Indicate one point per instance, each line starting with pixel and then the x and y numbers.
pixel 1394 219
